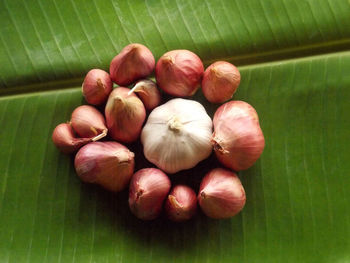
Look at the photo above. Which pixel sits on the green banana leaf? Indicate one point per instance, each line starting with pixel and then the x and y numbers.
pixel 294 58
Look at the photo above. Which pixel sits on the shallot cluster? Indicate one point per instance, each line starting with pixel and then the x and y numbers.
pixel 175 135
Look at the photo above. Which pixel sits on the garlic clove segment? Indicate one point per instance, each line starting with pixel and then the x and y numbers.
pixel 134 62
pixel 88 122
pixel 96 86
pixel 125 114
pixel 177 135
pixel 148 189
pixel 221 194
pixel 237 139
pixel 109 164
pixel 148 92
pixel 220 81
pixel 64 138
pixel 179 72
pixel 181 203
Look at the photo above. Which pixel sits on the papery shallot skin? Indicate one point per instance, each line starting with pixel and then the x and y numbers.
pixel 220 81
pixel 134 62
pixel 97 86
pixel 221 194
pixel 179 72
pixel 147 191
pixel 109 164
pixel 125 115
pixel 238 140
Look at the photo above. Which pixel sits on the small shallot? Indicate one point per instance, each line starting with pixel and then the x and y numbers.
pixel 125 114
pixel 88 122
pixel 109 164
pixel 237 139
pixel 96 86
pixel 134 62
pixel 221 194
pixel 64 138
pixel 179 72
pixel 181 203
pixel 148 92
pixel 148 189
pixel 220 81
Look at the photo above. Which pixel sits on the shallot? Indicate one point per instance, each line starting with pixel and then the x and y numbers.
pixel 179 72
pixel 88 122
pixel 109 164
pixel 237 139
pixel 220 81
pixel 125 114
pixel 134 62
pixel 65 140
pixel 181 203
pixel 221 194
pixel 96 86
pixel 148 189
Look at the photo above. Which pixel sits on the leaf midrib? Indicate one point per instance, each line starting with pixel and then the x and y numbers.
pixel 245 61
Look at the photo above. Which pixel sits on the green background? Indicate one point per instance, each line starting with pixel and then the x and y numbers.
pixel 294 58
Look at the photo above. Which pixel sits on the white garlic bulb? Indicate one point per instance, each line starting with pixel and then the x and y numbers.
pixel 177 135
